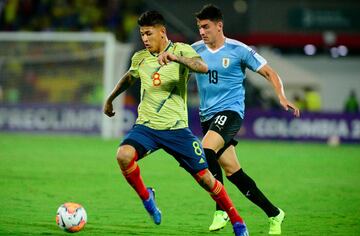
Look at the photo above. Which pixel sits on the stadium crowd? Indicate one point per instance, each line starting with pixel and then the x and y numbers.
pixel 117 16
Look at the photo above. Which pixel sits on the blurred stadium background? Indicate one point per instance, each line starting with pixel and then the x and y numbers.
pixel 60 58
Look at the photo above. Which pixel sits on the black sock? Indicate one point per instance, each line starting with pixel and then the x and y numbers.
pixel 248 187
pixel 214 167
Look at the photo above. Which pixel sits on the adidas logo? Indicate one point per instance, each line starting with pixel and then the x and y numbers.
pixel 201 161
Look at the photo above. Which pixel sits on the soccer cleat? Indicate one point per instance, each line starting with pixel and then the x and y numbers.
pixel 240 229
pixel 150 206
pixel 220 220
pixel 275 223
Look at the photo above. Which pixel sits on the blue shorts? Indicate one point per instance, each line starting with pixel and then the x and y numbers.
pixel 180 143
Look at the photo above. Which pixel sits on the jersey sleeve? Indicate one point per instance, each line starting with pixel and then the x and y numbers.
pixel 134 68
pixel 252 59
pixel 185 50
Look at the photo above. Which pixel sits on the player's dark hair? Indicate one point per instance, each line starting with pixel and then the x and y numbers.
pixel 209 12
pixel 151 18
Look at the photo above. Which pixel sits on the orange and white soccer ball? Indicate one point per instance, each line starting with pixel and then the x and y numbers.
pixel 71 217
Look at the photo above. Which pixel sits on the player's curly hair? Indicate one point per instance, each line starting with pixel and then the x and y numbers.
pixel 209 12
pixel 151 18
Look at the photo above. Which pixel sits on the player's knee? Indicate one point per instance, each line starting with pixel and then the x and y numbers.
pixel 213 140
pixel 230 171
pixel 205 179
pixel 230 168
pixel 211 146
pixel 124 156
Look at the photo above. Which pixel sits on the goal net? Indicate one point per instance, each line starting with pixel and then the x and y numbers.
pixel 57 82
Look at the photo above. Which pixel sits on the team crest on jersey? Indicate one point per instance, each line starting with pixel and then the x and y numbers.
pixel 225 62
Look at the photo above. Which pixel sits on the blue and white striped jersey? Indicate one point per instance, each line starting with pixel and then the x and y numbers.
pixel 221 88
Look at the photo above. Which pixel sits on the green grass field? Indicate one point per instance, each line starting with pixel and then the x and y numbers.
pixel 317 186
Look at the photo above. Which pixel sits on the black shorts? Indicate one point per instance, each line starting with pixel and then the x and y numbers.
pixel 226 124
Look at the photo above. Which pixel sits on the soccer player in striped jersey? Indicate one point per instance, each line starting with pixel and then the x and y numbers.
pixel 162 116
pixel 222 95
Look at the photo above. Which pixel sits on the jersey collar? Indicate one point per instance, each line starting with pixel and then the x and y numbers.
pixel 170 44
pixel 218 49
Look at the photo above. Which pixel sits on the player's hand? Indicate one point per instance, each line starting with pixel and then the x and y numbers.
pixel 288 106
pixel 108 109
pixel 165 57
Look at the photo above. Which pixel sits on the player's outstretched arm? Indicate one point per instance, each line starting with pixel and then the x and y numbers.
pixel 195 64
pixel 124 83
pixel 269 74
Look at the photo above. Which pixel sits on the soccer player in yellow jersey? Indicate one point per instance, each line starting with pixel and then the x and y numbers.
pixel 163 121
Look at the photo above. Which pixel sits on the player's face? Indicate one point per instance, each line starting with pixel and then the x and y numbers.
pixel 209 30
pixel 152 36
